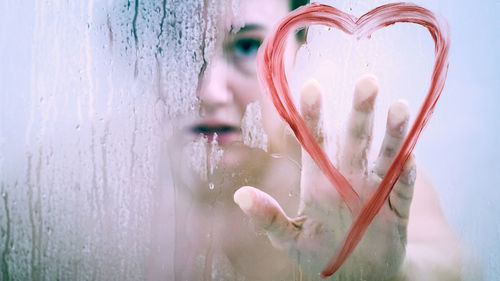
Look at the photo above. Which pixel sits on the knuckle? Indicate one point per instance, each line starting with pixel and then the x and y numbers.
pixel 399 206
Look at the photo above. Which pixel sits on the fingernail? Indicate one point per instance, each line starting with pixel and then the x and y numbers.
pixel 243 198
pixel 365 93
pixel 311 93
pixel 397 120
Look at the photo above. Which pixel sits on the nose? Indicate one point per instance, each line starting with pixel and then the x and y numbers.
pixel 214 91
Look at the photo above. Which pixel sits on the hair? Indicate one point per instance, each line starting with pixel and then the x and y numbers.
pixel 302 33
pixel 294 4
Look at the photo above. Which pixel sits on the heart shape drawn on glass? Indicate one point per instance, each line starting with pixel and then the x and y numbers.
pixel 272 75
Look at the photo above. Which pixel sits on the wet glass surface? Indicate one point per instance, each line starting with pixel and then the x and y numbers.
pixel 121 149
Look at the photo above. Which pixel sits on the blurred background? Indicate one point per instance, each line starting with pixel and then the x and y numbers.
pixel 81 110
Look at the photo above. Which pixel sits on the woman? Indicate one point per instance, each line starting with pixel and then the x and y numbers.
pixel 215 240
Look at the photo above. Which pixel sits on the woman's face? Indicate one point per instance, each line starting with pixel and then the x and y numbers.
pixel 230 81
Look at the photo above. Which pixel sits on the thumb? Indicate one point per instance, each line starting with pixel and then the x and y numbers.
pixel 267 214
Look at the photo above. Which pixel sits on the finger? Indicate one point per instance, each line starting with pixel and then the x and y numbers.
pixel 359 128
pixel 402 193
pixel 266 213
pixel 312 180
pixel 310 108
pixel 397 126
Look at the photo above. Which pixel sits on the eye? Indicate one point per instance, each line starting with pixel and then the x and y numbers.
pixel 245 47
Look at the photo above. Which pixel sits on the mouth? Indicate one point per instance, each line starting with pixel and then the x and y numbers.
pixel 222 133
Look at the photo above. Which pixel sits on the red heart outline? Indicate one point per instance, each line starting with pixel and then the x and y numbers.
pixel 272 75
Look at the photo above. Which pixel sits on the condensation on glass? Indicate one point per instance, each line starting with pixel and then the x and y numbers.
pixel 93 94
pixel 82 127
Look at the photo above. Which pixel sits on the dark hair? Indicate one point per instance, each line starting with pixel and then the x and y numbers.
pixel 294 4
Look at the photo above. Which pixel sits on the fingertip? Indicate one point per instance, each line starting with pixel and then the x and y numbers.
pixel 310 108
pixel 243 197
pixel 263 210
pixel 397 119
pixel 311 94
pixel 365 92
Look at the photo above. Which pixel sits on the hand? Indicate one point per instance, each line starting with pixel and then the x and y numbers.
pixel 323 219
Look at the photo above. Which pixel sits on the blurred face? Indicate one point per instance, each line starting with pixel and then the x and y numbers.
pixel 229 83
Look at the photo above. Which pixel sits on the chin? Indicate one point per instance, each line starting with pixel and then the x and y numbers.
pixel 236 156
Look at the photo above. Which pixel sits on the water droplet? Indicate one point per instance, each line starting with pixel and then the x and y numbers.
pixel 211 186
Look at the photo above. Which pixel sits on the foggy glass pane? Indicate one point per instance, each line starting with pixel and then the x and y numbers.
pixel 126 127
pixel 83 102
